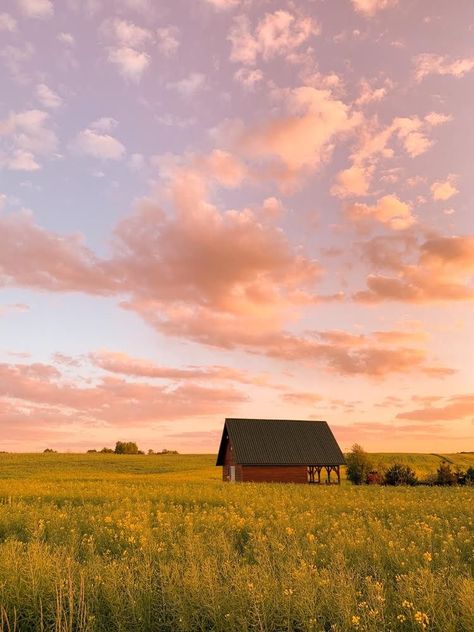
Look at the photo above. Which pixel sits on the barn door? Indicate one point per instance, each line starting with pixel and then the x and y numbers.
pixel 232 473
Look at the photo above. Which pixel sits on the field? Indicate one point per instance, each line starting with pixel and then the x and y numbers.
pixel 122 543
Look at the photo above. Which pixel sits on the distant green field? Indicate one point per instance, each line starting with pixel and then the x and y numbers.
pixel 424 463
pixel 116 543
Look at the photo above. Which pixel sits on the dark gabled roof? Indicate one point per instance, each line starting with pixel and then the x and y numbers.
pixel 280 442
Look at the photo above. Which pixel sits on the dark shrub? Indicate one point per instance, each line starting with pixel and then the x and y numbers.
pixel 374 478
pixel 399 474
pixel 444 475
pixel 358 465
pixel 470 476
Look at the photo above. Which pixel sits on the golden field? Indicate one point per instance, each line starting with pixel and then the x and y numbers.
pixel 143 543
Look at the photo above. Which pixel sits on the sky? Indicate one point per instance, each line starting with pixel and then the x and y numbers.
pixel 248 208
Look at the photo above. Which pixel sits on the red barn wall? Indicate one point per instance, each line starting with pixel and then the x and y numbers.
pixel 273 474
pixel 229 460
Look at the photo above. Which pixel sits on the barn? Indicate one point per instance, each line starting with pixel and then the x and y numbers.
pixel 279 451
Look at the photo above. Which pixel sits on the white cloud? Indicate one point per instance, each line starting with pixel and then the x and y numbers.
pixel 26 135
pixel 15 56
pixel 276 34
pixel 432 64
pixel 7 22
pixel 437 118
pixel 444 189
pixel 272 207
pixel 137 5
pixel 223 4
pixel 36 8
pixel 21 160
pixel 370 94
pixel 248 77
pixel 104 124
pixel 136 162
pixel 66 38
pixel 370 7
pixel 168 40
pixel 128 41
pixel 126 33
pixel 189 85
pixel 130 62
pixel 104 146
pixel 412 135
pixel 47 97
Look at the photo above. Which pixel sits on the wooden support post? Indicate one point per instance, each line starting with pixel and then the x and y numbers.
pixel 319 475
pixel 338 472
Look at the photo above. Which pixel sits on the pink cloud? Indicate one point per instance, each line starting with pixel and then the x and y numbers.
pixel 339 352
pixel 376 143
pixel 42 390
pixel 442 273
pixel 353 181
pixel 302 398
pixel 454 408
pixel 389 210
pixel 303 138
pixel 13 307
pixel 35 258
pixel 123 364
pixel 229 262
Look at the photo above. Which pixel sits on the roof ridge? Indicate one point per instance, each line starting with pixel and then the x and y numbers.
pixel 309 421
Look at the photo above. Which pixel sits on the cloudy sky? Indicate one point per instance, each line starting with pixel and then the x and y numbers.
pixel 236 208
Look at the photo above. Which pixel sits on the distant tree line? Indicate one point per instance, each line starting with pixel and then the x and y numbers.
pixel 127 447
pixel 360 470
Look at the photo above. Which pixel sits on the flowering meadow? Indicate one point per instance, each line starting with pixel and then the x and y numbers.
pixel 148 543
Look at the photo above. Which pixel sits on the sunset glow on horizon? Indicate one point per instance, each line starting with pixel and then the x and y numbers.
pixel 236 208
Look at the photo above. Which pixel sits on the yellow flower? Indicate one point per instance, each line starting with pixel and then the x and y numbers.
pixel 402 618
pixel 290 531
pixel 427 556
pixel 422 619
pixel 355 621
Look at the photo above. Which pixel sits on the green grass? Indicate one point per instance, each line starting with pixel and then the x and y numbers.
pixel 121 543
